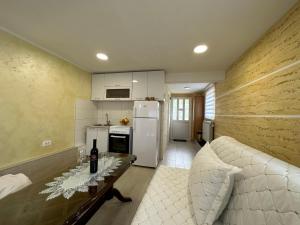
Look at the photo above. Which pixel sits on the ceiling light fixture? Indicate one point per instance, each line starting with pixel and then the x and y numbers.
pixel 187 88
pixel 102 56
pixel 134 81
pixel 200 49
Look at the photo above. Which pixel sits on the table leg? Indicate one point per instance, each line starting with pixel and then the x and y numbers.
pixel 116 193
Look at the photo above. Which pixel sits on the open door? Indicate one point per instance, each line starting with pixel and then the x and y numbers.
pixel 181 118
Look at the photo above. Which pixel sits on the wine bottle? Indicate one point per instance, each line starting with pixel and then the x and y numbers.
pixel 94 158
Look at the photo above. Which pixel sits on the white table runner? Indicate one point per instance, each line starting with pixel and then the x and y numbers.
pixel 79 178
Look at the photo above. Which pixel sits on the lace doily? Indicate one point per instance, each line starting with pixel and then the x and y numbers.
pixel 79 178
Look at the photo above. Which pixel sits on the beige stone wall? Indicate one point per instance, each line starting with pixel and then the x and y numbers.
pixel 259 101
pixel 37 97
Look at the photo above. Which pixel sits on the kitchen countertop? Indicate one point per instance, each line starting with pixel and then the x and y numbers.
pixel 98 126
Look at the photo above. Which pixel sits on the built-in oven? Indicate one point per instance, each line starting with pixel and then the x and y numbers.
pixel 120 139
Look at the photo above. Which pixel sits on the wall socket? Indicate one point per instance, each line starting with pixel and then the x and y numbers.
pixel 46 143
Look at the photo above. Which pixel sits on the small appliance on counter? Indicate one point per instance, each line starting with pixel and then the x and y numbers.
pixel 146 133
pixel 120 139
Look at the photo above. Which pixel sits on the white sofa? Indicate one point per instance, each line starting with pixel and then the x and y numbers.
pixel 266 192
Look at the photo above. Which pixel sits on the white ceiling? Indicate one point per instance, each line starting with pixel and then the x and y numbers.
pixel 179 88
pixel 143 34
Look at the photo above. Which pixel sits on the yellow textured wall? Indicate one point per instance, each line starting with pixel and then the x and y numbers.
pixel 259 101
pixel 37 97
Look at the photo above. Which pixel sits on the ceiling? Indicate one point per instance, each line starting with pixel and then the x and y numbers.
pixel 143 34
pixel 179 88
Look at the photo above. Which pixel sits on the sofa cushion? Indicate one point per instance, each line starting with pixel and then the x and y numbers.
pixel 166 199
pixel 210 185
pixel 266 191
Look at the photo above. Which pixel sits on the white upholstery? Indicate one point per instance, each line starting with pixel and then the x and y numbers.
pixel 210 185
pixel 266 193
pixel 166 200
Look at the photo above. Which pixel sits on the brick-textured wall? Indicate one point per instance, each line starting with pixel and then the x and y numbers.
pixel 259 101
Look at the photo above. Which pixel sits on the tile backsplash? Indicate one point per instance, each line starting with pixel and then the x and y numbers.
pixel 86 113
pixel 89 113
pixel 116 111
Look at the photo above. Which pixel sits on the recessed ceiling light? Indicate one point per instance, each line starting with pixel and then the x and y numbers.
pixel 200 49
pixel 135 81
pixel 102 56
pixel 187 88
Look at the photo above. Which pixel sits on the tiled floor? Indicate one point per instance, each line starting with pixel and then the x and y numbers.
pixel 180 154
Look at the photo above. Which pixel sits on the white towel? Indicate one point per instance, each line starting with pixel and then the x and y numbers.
pixel 12 183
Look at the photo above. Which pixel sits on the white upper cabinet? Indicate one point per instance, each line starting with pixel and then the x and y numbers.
pixel 156 84
pixel 139 85
pixel 98 87
pixel 118 80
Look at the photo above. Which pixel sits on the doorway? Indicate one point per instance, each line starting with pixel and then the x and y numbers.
pixel 181 118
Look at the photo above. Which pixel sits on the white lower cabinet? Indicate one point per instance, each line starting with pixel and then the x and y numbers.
pixel 99 133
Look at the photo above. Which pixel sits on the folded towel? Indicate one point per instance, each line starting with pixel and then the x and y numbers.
pixel 12 183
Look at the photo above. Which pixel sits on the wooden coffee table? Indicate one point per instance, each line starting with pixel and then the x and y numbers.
pixel 28 207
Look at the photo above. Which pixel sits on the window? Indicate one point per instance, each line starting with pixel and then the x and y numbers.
pixel 174 108
pixel 186 109
pixel 210 103
pixel 181 109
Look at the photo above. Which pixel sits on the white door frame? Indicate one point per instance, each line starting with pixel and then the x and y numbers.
pixel 190 117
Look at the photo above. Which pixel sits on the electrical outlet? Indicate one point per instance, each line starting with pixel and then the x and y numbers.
pixel 46 143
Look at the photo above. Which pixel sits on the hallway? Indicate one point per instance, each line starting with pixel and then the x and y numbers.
pixel 180 154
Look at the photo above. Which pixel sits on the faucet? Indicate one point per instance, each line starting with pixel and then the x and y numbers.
pixel 107 121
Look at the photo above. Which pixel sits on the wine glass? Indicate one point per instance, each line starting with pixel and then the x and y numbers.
pixel 81 155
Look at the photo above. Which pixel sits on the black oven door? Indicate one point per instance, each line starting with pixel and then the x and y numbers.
pixel 119 143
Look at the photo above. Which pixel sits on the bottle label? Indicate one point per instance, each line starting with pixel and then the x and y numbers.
pixel 93 157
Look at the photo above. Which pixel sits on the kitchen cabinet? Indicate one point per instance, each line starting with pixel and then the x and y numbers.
pixel 98 87
pixel 99 133
pixel 118 80
pixel 149 84
pixel 156 84
pixel 139 85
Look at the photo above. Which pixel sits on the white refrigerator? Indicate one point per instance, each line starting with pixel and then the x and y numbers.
pixel 146 133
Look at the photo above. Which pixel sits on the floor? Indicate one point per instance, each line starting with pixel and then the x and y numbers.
pixel 180 154
pixel 134 183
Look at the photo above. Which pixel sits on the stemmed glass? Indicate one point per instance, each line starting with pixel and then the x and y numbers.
pixel 103 156
pixel 81 155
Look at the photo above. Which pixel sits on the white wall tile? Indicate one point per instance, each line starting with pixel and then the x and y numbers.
pixel 85 109
pixel 116 111
pixel 86 113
